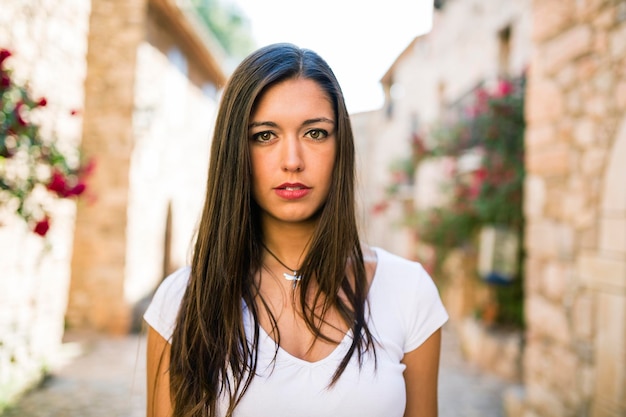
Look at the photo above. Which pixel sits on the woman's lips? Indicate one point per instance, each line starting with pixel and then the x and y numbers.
pixel 290 191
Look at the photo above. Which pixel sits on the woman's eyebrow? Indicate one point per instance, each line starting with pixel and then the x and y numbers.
pixel 257 124
pixel 318 120
pixel 305 123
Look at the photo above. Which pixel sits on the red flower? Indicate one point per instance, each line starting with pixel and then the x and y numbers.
pixel 76 190
pixel 5 80
pixel 74 112
pixel 4 54
pixel 42 102
pixel 479 176
pixel 58 183
pixel 379 208
pixel 42 226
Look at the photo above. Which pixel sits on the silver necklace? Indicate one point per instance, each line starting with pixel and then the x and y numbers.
pixel 294 276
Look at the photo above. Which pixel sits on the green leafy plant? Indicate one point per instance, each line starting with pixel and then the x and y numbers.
pixel 491 193
pixel 33 170
pixel 491 126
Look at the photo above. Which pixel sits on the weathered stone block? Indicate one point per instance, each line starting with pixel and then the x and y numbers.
pixel 601 273
pixel 564 370
pixel 534 195
pixel 593 161
pixel 534 273
pixel 551 160
pixel 550 17
pixel 540 136
pixel 540 239
pixel 583 315
pixel 620 96
pixel 613 234
pixel 584 131
pixel 555 281
pixel 544 102
pixel 566 46
pixel 547 319
pixel 610 387
pixel 617 44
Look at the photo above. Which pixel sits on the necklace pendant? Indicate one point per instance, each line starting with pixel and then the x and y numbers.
pixel 295 277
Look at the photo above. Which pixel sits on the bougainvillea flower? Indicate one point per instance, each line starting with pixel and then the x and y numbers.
pixel 504 88
pixel 42 226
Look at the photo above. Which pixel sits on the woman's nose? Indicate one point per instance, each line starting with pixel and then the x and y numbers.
pixel 292 155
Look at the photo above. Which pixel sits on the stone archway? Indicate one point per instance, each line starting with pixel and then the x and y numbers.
pixel 610 286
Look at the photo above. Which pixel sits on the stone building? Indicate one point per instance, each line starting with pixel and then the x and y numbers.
pixel 574 357
pixel 136 84
pixel 471 41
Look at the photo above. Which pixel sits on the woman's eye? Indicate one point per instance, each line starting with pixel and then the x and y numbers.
pixel 317 134
pixel 262 136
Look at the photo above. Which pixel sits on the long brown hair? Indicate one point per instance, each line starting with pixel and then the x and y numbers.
pixel 211 355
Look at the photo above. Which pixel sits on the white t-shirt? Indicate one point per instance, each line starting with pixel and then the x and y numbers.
pixel 404 310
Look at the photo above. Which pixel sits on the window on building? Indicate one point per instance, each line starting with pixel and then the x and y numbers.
pixel 504 51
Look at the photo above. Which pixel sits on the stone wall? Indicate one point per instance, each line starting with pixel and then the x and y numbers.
pixel 48 40
pixel 151 93
pixel 575 358
pixel 136 87
pixel 97 286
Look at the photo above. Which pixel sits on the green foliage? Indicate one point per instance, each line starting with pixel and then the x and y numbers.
pixel 228 24
pixel 492 127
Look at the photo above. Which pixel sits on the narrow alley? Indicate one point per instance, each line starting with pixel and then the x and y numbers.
pixel 100 376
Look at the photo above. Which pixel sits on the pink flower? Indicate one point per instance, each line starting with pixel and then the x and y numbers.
pixel 504 88
pixel 42 226
pixel 479 177
pixel 74 112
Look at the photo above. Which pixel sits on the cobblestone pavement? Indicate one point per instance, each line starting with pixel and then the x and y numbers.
pixel 104 377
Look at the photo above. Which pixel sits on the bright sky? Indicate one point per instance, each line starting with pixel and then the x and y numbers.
pixel 359 39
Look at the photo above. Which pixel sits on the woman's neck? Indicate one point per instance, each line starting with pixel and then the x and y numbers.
pixel 288 241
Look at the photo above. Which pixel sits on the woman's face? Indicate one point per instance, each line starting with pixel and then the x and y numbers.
pixel 292 147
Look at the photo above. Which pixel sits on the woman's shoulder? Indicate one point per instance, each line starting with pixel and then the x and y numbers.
pixel 175 282
pixel 163 309
pixel 389 264
pixel 398 277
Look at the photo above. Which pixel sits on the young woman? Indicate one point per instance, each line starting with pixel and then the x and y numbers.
pixel 284 312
